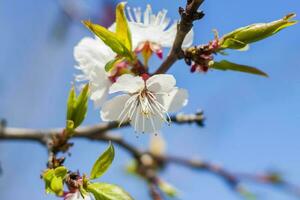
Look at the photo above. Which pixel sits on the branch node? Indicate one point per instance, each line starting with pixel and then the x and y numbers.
pixel 198 15
pixel 188 16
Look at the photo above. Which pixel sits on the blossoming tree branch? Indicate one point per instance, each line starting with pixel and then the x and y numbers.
pixel 129 92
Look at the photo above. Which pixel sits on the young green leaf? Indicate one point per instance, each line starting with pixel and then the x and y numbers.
pixel 122 28
pixel 71 103
pixel 48 176
pixel 226 65
pixel 255 32
pixel 231 43
pixel 54 180
pixel 105 191
pixel 168 189
pixel 120 41
pixel 109 38
pixel 70 125
pixel 61 172
pixel 111 64
pixel 57 185
pixel 103 162
pixel 81 106
pixel 76 108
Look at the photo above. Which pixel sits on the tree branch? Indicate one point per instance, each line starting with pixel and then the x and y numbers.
pixel 149 172
pixel 188 16
pixel 90 132
pixel 228 177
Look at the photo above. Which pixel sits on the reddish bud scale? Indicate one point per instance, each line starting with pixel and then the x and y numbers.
pixel 145 76
pixel 119 70
pixel 200 57
pixel 193 68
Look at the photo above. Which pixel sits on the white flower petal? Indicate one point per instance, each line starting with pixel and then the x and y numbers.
pixel 91 53
pixel 167 37
pixel 161 83
pixel 188 40
pixel 99 86
pixel 99 79
pixel 154 28
pixel 112 109
pixel 98 96
pixel 175 100
pixel 143 124
pixel 127 83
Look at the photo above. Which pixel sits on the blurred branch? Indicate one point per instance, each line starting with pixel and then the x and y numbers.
pixel 188 16
pixel 143 158
pixel 90 132
pixel 228 177
pixel 271 178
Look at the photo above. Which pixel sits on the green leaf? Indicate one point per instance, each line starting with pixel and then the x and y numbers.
pixel 109 38
pixel 57 185
pixel 121 41
pixel 111 64
pixel 168 189
pixel 71 103
pixel 81 106
pixel 76 108
pixel 226 65
pixel 70 125
pixel 255 32
pixel 231 43
pixel 122 29
pixel 105 191
pixel 103 162
pixel 54 180
pixel 48 174
pixel 61 172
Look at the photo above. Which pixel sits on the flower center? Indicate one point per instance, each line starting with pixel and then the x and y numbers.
pixel 142 107
pixel 147 49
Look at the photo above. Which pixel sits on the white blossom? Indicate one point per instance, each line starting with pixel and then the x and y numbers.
pixel 151 32
pixel 76 196
pixel 156 29
pixel 92 55
pixel 145 103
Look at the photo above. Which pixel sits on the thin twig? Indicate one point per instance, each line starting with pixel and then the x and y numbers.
pixel 154 192
pixel 227 176
pixel 273 179
pixel 188 16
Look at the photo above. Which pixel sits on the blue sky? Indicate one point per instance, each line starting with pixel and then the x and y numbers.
pixel 252 122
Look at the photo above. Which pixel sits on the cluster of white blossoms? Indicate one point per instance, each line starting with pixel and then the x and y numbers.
pixel 146 100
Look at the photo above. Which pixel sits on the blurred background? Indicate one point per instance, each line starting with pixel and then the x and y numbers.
pixel 253 123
